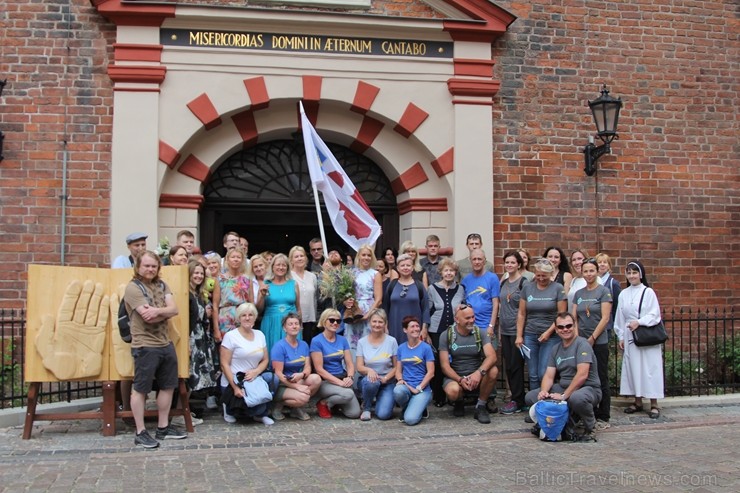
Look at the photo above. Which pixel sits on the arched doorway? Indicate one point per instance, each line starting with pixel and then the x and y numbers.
pixel 264 193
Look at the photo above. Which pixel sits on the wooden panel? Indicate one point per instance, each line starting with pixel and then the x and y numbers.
pixel 47 285
pixel 55 290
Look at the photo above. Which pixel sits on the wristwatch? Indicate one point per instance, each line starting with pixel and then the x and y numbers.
pixel 482 371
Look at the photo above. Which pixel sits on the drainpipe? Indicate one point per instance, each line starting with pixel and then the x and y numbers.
pixel 64 198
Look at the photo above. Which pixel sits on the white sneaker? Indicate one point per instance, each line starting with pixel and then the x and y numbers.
pixel 228 417
pixel 265 420
pixel 601 425
pixel 211 402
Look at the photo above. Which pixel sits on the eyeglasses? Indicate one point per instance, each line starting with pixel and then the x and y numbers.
pixel 333 320
pixel 404 291
pixel 463 306
pixel 566 326
pixel 316 249
pixel 473 236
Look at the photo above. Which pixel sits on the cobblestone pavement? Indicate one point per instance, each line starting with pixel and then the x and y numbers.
pixel 690 448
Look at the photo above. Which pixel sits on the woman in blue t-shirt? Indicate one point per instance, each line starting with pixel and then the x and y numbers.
pixel 332 360
pixel 376 362
pixel 414 371
pixel 292 366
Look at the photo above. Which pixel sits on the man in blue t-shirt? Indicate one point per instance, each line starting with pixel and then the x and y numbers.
pixel 481 292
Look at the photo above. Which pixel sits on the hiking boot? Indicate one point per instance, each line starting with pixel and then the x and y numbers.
pixel 277 412
pixel 169 432
pixel 491 405
pixel 481 414
pixel 511 408
pixel 587 436
pixel 299 413
pixel 323 410
pixel 458 409
pixel 145 440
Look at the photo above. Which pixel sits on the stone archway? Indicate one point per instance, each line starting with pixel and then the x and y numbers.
pixel 264 193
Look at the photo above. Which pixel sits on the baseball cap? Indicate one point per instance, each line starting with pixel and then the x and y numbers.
pixel 136 237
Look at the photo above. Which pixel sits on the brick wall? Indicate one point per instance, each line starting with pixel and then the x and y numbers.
pixel 54 55
pixel 669 192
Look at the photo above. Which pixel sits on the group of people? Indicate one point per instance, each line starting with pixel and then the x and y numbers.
pixel 415 331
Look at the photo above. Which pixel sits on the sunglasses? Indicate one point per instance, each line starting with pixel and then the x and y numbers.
pixel 333 320
pixel 404 291
pixel 566 326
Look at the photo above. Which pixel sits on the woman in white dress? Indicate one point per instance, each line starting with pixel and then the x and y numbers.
pixel 642 367
pixel 368 295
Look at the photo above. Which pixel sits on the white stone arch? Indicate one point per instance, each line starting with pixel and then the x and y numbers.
pixel 391 151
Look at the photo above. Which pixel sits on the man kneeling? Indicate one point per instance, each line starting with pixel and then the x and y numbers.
pixel 468 362
pixel 573 361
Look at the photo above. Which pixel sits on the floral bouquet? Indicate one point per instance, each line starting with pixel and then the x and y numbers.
pixel 163 248
pixel 339 285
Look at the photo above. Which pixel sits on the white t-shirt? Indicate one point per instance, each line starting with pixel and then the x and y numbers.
pixel 245 355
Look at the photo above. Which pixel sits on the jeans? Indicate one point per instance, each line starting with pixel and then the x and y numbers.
pixel 381 394
pixel 412 405
pixel 538 357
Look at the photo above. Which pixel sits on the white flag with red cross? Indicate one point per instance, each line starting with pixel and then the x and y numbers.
pixel 349 214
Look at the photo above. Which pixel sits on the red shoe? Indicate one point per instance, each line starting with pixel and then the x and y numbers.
pixel 323 410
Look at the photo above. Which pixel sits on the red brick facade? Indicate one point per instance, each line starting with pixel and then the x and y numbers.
pixel 668 194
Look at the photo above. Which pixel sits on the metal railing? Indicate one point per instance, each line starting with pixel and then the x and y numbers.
pixel 13 388
pixel 701 357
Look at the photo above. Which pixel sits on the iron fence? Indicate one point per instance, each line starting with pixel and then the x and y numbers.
pixel 13 388
pixel 701 357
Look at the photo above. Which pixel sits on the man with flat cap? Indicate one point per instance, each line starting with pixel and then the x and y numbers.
pixel 136 243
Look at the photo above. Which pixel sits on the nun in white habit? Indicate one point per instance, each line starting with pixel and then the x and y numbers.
pixel 642 367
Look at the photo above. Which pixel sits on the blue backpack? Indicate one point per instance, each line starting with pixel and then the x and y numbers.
pixel 552 416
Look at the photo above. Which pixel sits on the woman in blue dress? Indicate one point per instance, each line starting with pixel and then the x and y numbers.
pixel 405 297
pixel 277 297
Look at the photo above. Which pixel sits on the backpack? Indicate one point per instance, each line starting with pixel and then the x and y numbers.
pixel 389 290
pixel 551 416
pixel 124 319
pixel 452 335
pixel 521 282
